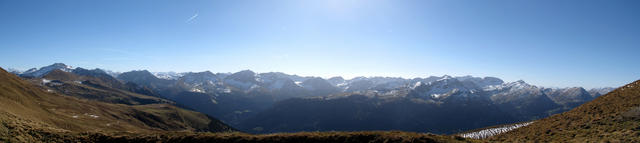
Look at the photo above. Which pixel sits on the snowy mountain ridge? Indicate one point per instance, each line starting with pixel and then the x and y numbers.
pixel 247 80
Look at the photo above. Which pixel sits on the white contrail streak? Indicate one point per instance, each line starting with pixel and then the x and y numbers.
pixel 192 18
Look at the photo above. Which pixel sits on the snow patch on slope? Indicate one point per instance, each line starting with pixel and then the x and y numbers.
pixel 493 131
pixel 168 75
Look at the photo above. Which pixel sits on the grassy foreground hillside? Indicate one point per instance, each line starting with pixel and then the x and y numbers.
pixel 29 113
pixel 190 137
pixel 614 117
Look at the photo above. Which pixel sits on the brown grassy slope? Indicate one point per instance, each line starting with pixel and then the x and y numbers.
pixel 20 100
pixel 301 137
pixel 233 137
pixel 611 117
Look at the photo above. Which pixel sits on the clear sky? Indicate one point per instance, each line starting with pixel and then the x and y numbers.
pixel 590 43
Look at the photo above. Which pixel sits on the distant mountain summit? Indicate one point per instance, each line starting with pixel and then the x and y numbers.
pixel 168 75
pixel 336 81
pixel 595 92
pixel 482 82
pixel 243 80
pixel 569 95
pixel 443 88
pixel 44 70
pixel 200 82
pixel 138 75
pixel 275 81
pixel 145 78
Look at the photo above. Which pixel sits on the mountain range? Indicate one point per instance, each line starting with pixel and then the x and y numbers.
pixel 279 102
pixel 80 105
pixel 62 104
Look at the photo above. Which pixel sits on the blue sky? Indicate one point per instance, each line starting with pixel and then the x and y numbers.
pixel 590 43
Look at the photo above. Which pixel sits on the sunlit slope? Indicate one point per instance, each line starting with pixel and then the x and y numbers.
pixel 611 117
pixel 23 104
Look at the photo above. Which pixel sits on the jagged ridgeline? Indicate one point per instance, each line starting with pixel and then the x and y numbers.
pixel 278 102
pixel 32 113
pixel 266 102
pixel 64 104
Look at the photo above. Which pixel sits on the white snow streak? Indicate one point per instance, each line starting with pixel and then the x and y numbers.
pixel 493 131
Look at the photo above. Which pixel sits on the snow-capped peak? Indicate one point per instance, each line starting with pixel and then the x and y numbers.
pixel 44 70
pixel 520 84
pixel 60 65
pixel 419 83
pixel 168 75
